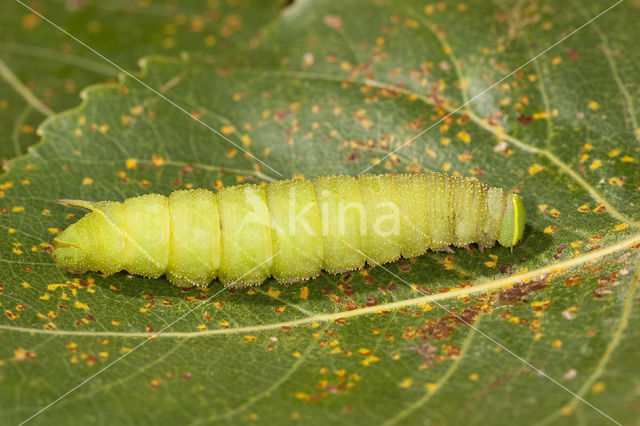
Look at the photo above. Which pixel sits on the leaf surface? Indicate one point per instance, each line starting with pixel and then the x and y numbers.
pixel 42 70
pixel 497 337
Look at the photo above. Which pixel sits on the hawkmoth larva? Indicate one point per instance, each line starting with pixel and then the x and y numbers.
pixel 288 229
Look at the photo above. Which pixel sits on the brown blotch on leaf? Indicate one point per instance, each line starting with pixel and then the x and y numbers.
pixel 21 354
pixel 524 119
pixel 346 277
pixel 352 158
pixel 438 329
pixel 451 350
pixel 426 350
pixel 600 292
pixel 506 268
pixel 333 21
pixel 559 251
pixel 518 291
pixel 469 315
pixel 573 280
pixel 604 284
pixel 623 258
pixel 573 54
pixel 404 267
pixel 281 114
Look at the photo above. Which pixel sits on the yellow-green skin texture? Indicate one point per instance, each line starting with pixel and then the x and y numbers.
pixel 291 230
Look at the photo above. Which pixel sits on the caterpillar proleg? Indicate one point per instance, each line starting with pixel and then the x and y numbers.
pixel 290 229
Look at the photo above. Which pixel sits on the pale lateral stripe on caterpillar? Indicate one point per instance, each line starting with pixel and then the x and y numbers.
pixel 332 223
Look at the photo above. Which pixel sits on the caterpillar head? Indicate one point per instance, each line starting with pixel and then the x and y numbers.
pixel 512 222
pixel 69 251
pixel 74 248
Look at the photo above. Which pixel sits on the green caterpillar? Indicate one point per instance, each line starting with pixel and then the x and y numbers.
pixel 290 229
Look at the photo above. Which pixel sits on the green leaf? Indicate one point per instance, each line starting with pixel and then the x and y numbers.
pixel 42 69
pixel 334 87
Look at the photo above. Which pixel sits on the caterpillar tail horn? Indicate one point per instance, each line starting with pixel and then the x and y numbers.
pixel 89 205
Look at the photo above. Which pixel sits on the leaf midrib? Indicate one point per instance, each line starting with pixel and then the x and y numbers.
pixel 488 286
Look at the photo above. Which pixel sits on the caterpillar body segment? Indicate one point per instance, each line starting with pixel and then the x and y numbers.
pixel 246 245
pixel 382 219
pixel 296 230
pixel 290 230
pixel 340 207
pixel 194 248
pixel 415 236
